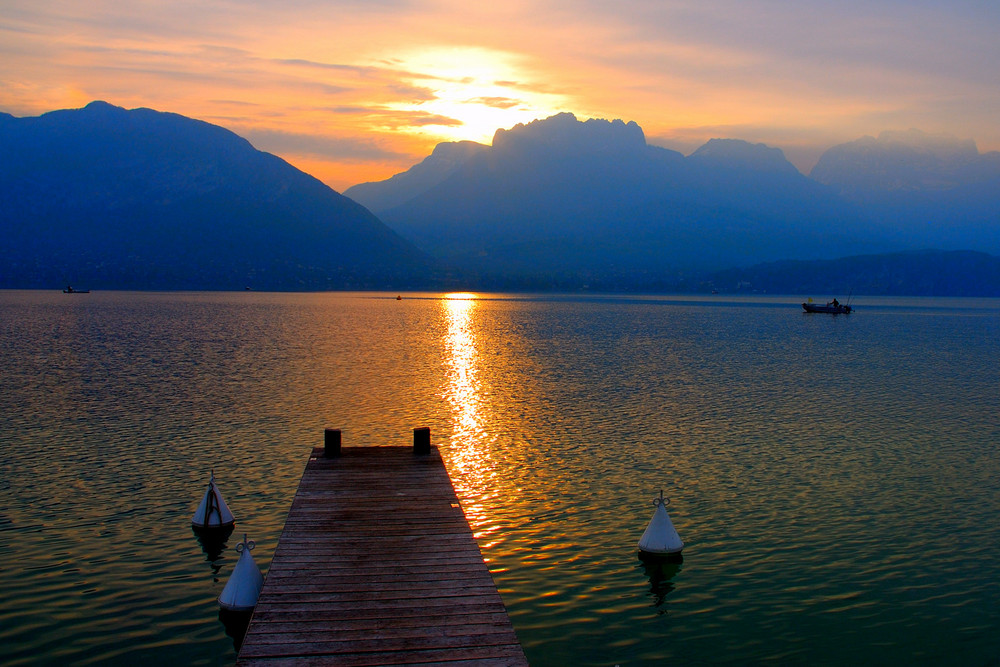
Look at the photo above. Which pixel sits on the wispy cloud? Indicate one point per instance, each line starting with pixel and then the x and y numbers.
pixel 495 102
pixel 383 80
pixel 343 148
pixel 397 118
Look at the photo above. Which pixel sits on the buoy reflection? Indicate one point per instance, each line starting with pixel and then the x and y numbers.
pixel 236 624
pixel 213 542
pixel 661 573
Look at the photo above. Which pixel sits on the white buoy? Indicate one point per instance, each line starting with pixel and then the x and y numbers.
pixel 212 512
pixel 660 538
pixel 243 588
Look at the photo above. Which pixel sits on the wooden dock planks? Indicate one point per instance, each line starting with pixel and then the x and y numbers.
pixel 377 565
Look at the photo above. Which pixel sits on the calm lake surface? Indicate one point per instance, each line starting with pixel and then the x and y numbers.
pixel 836 479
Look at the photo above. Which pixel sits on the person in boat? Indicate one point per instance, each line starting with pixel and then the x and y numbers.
pixel 835 303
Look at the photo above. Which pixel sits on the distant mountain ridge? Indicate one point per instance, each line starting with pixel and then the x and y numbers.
pixel 562 203
pixel 733 154
pixel 104 197
pixel 591 203
pixel 902 161
pixel 932 187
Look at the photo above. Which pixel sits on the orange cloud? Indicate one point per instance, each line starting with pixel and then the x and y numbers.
pixel 363 89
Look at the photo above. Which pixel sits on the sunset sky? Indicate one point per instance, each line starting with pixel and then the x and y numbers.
pixel 358 90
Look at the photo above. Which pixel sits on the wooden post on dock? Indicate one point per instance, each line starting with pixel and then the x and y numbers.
pixel 331 443
pixel 422 440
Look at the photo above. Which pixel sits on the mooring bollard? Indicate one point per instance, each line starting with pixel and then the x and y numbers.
pixel 422 440
pixel 331 443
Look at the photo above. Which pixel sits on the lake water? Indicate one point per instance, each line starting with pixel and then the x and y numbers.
pixel 836 479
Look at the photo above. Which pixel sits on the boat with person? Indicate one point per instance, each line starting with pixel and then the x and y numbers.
pixel 832 307
pixel 69 290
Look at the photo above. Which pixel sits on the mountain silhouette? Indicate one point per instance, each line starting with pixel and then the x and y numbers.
pixel 108 198
pixel 561 202
pixel 103 198
pixel 439 165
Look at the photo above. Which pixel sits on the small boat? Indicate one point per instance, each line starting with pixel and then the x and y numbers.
pixel 69 290
pixel 833 307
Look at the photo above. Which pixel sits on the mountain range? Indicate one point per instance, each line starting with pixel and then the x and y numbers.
pixel 109 198
pixel 564 203
pixel 592 202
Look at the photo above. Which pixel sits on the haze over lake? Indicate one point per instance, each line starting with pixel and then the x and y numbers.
pixel 835 479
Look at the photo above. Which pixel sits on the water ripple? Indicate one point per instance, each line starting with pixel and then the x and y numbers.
pixel 835 479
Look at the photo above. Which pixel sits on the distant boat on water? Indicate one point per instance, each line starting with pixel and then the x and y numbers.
pixel 832 307
pixel 69 290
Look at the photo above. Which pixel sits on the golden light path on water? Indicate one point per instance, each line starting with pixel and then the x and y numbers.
pixel 469 454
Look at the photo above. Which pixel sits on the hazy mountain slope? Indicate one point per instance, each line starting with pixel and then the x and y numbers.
pixel 435 168
pixel 926 273
pixel 931 190
pixel 591 202
pixel 109 198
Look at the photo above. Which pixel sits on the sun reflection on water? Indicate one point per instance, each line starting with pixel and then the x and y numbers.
pixel 463 376
pixel 469 452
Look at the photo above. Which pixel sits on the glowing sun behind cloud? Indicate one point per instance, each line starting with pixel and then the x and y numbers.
pixel 471 92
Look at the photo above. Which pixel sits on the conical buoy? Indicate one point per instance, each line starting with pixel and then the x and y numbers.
pixel 212 512
pixel 660 539
pixel 243 588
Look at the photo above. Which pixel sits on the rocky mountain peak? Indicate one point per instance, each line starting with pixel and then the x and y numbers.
pixel 563 133
pixel 743 154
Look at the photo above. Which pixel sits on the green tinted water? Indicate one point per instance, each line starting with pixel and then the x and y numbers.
pixel 835 479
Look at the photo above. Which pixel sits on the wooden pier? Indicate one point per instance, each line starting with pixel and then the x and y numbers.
pixel 377 565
